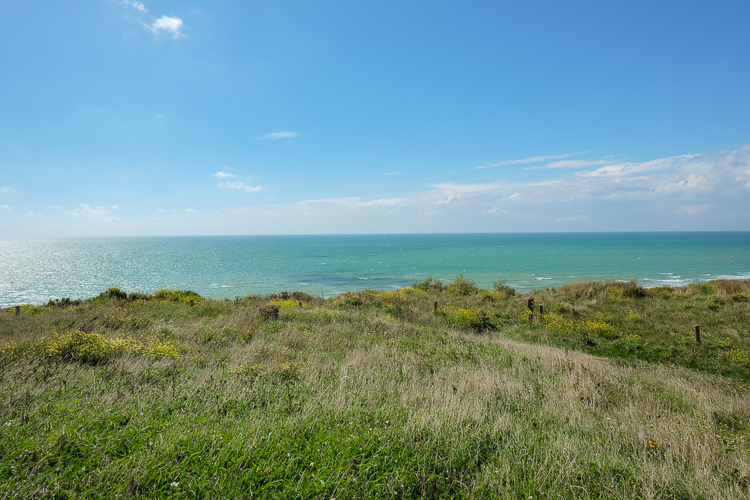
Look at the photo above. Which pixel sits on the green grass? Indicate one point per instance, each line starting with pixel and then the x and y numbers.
pixel 427 392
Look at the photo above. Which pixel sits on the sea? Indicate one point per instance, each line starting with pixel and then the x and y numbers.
pixel 36 271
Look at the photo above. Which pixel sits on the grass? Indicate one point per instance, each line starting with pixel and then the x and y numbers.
pixel 426 392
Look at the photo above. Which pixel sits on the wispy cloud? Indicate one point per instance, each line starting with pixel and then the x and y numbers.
pixel 682 185
pixel 574 163
pixel 533 159
pixel 136 5
pixel 239 186
pixel 224 175
pixel 494 211
pixel 279 135
pixel 170 25
pixel 7 190
pixel 102 214
pixel 5 207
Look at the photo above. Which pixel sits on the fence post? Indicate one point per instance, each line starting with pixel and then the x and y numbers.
pixel 434 307
pixel 531 310
pixel 18 310
pixel 697 334
pixel 541 310
pixel 192 303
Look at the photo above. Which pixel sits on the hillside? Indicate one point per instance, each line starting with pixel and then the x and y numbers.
pixel 433 391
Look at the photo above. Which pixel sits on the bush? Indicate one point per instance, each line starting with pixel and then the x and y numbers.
pixel 81 346
pixel 502 287
pixel 465 317
pixel 113 293
pixel 462 286
pixel 181 296
pixel 429 285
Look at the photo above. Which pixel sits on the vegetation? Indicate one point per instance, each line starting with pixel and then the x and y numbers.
pixel 432 391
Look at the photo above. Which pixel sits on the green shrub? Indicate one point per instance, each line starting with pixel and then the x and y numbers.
pixel 113 293
pixel 461 286
pixel 739 297
pixel 429 285
pixel 465 317
pixel 181 296
pixel 502 287
pixel 81 346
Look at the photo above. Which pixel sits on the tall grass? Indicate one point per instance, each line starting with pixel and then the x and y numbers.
pixel 379 395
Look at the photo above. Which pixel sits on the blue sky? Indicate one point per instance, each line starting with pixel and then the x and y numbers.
pixel 283 117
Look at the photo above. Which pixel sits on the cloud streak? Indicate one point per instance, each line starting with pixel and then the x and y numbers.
pixel 283 134
pixel 100 213
pixel 683 186
pixel 239 186
pixel 533 159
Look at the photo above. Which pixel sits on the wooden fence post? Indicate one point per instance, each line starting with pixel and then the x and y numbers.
pixel 192 303
pixel 18 310
pixel 531 310
pixel 697 334
pixel 434 308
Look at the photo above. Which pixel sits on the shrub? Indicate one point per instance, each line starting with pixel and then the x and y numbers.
pixel 461 286
pixel 181 296
pixel 285 304
pixel 159 349
pixel 661 291
pixel 269 311
pixel 739 297
pixel 502 287
pixel 429 285
pixel 465 317
pixel 113 293
pixel 64 302
pixel 80 346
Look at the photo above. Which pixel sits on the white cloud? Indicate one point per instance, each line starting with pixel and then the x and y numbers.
pixel 101 214
pixel 533 159
pixel 55 207
pixel 574 163
pixel 33 215
pixel 355 203
pixel 223 175
pixel 5 207
pixel 167 24
pixel 7 190
pixel 694 182
pixel 494 211
pixel 280 135
pixel 239 186
pixel 190 210
pixel 691 209
pixel 132 3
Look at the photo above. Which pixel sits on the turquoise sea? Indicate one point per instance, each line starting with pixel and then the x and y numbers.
pixel 36 271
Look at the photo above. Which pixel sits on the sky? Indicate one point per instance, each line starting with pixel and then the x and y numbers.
pixel 224 117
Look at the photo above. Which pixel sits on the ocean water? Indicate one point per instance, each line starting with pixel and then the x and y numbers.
pixel 36 271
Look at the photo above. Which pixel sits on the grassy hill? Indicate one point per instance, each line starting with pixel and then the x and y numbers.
pixel 435 391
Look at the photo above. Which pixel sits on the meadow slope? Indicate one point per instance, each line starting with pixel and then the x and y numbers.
pixel 434 391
